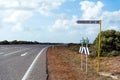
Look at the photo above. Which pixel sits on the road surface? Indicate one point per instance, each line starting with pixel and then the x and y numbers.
pixel 23 62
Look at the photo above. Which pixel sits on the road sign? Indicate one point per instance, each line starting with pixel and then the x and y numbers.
pixel 88 21
pixel 99 44
pixel 84 50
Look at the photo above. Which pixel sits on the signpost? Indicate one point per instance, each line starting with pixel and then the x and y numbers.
pixel 88 21
pixel 84 50
pixel 99 42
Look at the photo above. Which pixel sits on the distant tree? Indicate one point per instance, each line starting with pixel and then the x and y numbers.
pixel 14 42
pixel 35 42
pixel 4 42
pixel 18 42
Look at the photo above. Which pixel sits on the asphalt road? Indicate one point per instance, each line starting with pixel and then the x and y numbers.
pixel 23 62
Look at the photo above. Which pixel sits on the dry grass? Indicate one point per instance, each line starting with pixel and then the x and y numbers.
pixel 64 64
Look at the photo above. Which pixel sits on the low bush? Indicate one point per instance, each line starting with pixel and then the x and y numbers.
pixel 110 44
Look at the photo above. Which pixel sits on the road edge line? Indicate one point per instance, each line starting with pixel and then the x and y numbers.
pixel 28 72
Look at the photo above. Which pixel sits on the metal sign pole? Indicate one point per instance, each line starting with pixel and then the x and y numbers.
pixel 99 44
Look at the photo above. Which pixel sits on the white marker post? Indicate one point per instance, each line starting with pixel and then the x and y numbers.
pixel 81 57
pixel 87 53
pixel 81 52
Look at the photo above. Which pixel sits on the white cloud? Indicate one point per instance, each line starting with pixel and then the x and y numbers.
pixel 94 10
pixel 91 10
pixel 113 27
pixel 9 3
pixel 28 4
pixel 17 28
pixel 17 11
pixel 17 16
pixel 111 17
pixel 45 7
pixel 94 29
pixel 64 24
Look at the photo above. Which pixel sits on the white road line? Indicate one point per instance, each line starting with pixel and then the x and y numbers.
pixel 29 71
pixel 1 53
pixel 15 52
pixel 6 48
pixel 24 54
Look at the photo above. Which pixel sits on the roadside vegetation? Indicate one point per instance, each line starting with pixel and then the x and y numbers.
pixel 64 62
pixel 110 44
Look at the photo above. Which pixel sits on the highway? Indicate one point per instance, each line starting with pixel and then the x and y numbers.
pixel 23 62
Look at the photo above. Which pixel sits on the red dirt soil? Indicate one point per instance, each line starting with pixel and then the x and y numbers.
pixel 59 69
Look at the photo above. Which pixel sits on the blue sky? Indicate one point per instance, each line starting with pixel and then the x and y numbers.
pixel 55 20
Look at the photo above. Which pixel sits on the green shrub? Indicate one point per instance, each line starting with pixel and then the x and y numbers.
pixel 110 43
